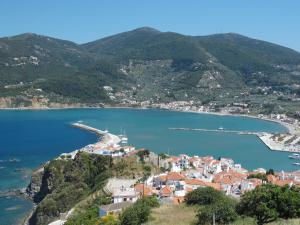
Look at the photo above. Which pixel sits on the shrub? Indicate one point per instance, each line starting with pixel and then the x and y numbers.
pixel 268 202
pixel 139 212
pixel 223 211
pixel 203 196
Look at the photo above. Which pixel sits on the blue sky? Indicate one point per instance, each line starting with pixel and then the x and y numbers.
pixel 276 21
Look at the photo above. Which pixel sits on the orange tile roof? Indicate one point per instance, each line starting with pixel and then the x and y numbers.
pixel 229 177
pixel 175 176
pixel 188 189
pixel 216 186
pixel 271 178
pixel 283 182
pixel 194 182
pixel 256 182
pixel 201 183
pixel 166 191
pixel 163 177
pixel 147 191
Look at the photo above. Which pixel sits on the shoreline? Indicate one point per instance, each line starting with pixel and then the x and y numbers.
pixel 108 139
pixel 290 127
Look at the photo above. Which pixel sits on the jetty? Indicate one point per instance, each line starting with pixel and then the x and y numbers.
pixel 265 137
pixel 107 139
pixel 216 130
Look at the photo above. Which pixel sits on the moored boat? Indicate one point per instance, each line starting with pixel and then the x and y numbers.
pixel 294 156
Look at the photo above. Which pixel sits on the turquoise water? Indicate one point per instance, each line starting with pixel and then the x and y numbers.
pixel 33 137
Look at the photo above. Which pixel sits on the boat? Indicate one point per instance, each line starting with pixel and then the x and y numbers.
pixel 294 156
pixel 123 137
pixel 221 128
pixel 14 160
pixel 296 164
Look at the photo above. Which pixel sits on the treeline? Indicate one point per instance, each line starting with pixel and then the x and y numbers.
pixel 265 204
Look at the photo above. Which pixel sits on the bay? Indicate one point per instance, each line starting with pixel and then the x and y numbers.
pixel 28 138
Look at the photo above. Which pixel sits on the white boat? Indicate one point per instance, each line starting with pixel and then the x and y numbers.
pixel 123 137
pixel 294 156
pixel 221 128
pixel 296 164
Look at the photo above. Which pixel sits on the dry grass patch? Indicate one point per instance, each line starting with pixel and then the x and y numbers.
pixel 173 214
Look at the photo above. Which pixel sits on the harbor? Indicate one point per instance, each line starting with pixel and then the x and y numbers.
pixel 274 141
pixel 107 144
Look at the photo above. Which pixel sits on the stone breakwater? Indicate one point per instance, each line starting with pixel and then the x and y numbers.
pixel 107 139
pixel 281 142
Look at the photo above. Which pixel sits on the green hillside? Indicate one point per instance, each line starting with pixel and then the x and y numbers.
pixel 147 65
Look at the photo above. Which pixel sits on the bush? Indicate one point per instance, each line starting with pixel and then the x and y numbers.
pixel 213 203
pixel 203 196
pixel 223 211
pixel 260 176
pixel 139 212
pixel 268 202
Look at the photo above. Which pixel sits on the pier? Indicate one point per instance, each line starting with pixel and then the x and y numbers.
pixel 264 137
pixel 217 130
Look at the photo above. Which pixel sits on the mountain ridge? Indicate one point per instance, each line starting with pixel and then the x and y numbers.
pixel 145 64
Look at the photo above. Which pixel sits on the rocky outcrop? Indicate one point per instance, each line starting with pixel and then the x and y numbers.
pixel 34 187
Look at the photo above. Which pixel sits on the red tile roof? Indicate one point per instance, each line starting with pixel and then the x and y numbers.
pixel 143 189
pixel 175 176
pixel 166 191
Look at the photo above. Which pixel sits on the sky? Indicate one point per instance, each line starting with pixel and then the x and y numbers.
pixel 81 21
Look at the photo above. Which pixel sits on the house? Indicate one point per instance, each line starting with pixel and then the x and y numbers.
pixel 125 195
pixel 144 190
pixel 166 191
pixel 196 183
pixel 113 208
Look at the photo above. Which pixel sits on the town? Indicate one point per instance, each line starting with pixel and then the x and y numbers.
pixel 178 175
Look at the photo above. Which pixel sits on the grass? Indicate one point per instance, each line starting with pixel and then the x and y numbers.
pixel 250 221
pixel 172 214
pixel 186 215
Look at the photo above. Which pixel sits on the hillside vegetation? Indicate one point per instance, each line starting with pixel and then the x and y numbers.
pixel 147 65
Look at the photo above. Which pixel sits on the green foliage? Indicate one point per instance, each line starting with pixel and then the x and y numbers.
pixel 89 217
pixel 268 202
pixel 270 172
pixel 139 212
pixel 142 154
pixel 203 196
pixel 212 203
pixel 66 182
pixel 150 59
pixel 223 211
pixel 90 214
pixel 260 176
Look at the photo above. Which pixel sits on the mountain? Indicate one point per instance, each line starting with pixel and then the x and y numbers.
pixel 59 68
pixel 146 64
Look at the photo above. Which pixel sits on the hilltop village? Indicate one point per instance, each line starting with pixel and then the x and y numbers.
pixel 177 175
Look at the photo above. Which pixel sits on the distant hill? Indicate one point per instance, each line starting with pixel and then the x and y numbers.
pixel 145 64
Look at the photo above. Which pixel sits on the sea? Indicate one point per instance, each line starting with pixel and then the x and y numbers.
pixel 29 138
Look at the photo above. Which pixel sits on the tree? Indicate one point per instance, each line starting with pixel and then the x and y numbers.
pixel 223 211
pixel 142 154
pixel 260 176
pixel 212 203
pixel 268 202
pixel 139 212
pixel 203 196
pixel 270 172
